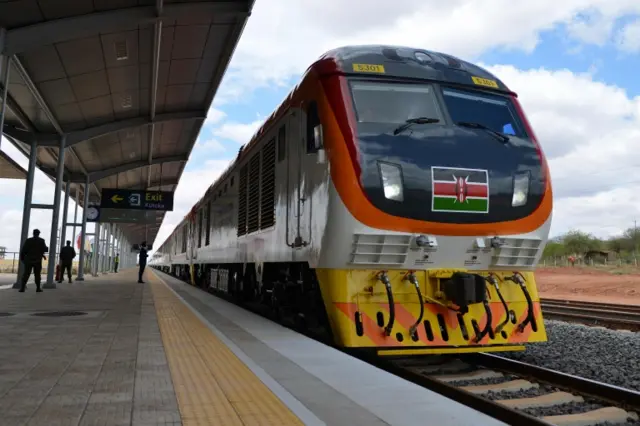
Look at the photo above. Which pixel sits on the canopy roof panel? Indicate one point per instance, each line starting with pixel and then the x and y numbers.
pixel 127 83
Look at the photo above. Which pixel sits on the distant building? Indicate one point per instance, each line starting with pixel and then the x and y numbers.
pixel 3 252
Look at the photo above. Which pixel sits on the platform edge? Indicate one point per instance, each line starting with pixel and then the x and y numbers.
pixel 297 407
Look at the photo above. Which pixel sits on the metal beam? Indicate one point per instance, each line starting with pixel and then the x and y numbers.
pixel 79 136
pixel 27 38
pixel 36 94
pixel 153 93
pixel 96 176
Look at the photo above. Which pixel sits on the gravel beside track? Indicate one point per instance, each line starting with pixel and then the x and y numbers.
pixel 608 356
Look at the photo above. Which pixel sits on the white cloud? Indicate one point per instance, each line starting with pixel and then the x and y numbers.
pixel 589 132
pixel 237 132
pixel 629 37
pixel 191 188
pixel 214 116
pixel 208 146
pixel 283 37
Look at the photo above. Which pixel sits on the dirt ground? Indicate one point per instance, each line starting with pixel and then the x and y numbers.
pixel 610 285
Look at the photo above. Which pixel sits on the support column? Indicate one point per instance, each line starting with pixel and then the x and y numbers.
pixel 65 211
pixel 107 241
pixel 26 208
pixel 96 250
pixel 50 283
pixel 83 229
pixel 5 66
pixel 75 217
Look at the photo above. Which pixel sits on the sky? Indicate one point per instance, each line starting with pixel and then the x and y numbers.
pixel 573 64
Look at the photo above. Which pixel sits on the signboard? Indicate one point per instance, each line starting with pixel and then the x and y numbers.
pixel 136 199
pixel 128 216
pixel 136 248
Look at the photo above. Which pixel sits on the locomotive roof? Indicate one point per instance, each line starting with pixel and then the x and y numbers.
pixel 381 61
pixel 410 62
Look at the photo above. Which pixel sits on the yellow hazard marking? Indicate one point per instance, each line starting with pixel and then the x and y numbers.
pixel 116 198
pixel 368 68
pixel 484 82
pixel 212 385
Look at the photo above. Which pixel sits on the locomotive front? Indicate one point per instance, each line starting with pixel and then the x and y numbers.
pixel 439 208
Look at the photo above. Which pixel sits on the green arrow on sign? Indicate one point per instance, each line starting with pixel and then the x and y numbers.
pixel 116 198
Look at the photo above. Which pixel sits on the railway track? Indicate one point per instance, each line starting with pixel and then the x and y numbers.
pixel 603 314
pixel 521 394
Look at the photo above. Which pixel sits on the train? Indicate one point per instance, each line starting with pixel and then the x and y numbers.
pixel 397 199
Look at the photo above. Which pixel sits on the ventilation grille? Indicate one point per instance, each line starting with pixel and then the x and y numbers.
pixel 253 216
pixel 208 225
pixel 520 252
pixel 200 219
pixel 127 102
pixel 122 52
pixel 378 249
pixel 268 185
pixel 242 202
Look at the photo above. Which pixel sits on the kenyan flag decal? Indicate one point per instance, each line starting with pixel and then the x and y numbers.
pixel 459 190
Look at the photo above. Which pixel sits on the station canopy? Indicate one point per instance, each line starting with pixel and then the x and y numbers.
pixel 128 83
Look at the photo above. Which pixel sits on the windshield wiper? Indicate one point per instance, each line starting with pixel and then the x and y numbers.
pixel 418 120
pixel 503 138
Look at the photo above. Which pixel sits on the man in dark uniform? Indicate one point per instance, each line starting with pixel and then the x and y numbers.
pixel 67 254
pixel 31 256
pixel 142 260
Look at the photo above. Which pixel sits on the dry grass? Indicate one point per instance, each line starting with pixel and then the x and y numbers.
pixel 10 265
pixel 615 269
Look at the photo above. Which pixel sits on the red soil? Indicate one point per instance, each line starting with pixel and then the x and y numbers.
pixel 590 284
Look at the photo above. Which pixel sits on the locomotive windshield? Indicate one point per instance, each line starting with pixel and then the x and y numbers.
pixel 495 112
pixel 393 102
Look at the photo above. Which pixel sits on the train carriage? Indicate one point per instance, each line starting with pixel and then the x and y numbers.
pixel 397 198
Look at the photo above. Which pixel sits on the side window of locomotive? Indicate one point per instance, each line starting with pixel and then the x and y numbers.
pixel 313 119
pixel 282 143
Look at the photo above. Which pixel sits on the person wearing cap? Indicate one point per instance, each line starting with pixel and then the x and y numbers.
pixel 142 260
pixel 31 256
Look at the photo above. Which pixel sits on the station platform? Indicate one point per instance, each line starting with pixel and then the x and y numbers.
pixel 110 351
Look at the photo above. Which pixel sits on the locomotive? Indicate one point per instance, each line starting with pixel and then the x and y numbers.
pixel 397 198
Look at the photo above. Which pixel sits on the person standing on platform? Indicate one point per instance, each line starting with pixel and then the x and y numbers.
pixel 116 262
pixel 31 255
pixel 67 254
pixel 142 260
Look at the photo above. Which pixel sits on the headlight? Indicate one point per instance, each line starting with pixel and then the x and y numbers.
pixel 520 189
pixel 391 181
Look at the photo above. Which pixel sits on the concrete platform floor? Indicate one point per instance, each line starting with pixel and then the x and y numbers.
pixel 107 367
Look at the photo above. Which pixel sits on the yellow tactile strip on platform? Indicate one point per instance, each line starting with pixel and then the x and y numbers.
pixel 212 385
